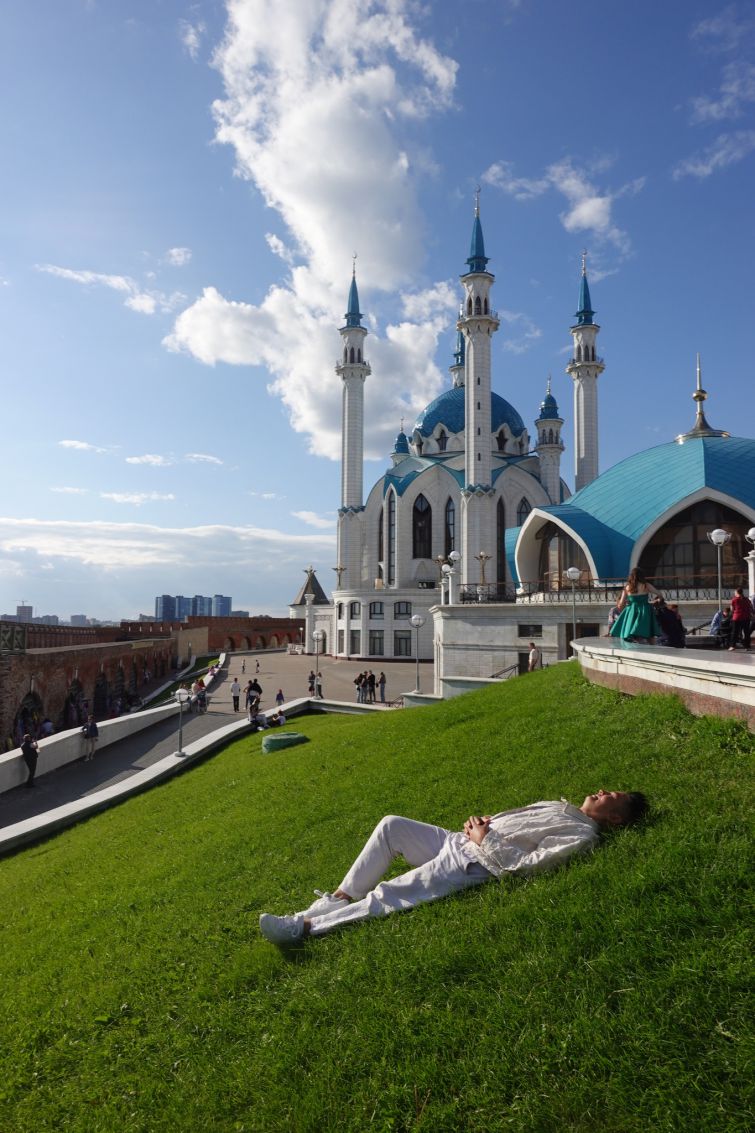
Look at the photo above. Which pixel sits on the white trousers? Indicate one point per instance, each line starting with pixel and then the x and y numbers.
pixel 442 860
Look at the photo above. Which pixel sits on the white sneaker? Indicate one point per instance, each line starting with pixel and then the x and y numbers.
pixel 325 903
pixel 282 930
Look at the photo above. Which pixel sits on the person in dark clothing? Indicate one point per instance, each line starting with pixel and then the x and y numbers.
pixel 30 751
pixel 672 632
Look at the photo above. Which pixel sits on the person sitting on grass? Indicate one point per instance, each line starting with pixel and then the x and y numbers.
pixel 524 841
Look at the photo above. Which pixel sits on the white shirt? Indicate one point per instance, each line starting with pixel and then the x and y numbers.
pixel 535 838
pixel 534 660
pixel 235 688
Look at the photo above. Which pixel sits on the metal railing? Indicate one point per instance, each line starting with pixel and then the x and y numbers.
pixel 507 673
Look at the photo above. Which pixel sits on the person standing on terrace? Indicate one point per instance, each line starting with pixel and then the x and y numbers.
pixel 636 620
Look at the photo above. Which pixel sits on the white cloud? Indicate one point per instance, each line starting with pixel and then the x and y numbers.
pixel 315 520
pixel 178 257
pixel 191 36
pixel 590 208
pixel 151 458
pixel 337 79
pixel 81 446
pixel 726 150
pixel 201 458
pixel 70 491
pixel 137 299
pixel 267 495
pixel 736 91
pixel 137 498
pixel 132 546
pixel 723 32
pixel 526 332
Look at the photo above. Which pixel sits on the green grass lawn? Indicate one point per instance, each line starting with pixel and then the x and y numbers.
pixel 137 994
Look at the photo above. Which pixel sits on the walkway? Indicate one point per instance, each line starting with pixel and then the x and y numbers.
pixel 121 760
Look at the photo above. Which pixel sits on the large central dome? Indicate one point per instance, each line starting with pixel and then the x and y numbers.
pixel 448 411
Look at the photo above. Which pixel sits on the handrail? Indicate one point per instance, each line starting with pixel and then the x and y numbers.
pixel 502 673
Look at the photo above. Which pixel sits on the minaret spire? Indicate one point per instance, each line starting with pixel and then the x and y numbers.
pixel 550 445
pixel 585 368
pixel 353 370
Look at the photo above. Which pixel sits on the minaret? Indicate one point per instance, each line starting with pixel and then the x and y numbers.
pixel 457 370
pixel 478 322
pixel 549 445
pixel 585 367
pixel 352 369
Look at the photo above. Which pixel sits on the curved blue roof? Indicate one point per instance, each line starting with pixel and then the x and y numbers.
pixel 448 410
pixel 402 443
pixel 548 407
pixel 614 510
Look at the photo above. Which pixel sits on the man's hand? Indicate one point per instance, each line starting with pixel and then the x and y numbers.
pixel 476 828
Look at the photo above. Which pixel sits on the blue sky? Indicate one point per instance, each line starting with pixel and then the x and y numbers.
pixel 185 184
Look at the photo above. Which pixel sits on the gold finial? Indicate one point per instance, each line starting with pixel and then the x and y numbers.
pixel 548 387
pixel 584 261
pixel 354 265
pixel 402 424
pixel 478 190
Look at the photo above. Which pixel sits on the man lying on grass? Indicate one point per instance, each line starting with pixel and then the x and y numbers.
pixel 527 840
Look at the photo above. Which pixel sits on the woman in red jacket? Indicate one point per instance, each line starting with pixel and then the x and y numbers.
pixel 741 617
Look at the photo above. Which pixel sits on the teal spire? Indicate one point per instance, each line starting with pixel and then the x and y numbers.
pixel 477 259
pixel 585 312
pixel 459 351
pixel 353 315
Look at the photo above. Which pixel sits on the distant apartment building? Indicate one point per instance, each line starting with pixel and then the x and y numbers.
pixel 170 608
pixel 79 620
pixel 239 614
pixel 24 613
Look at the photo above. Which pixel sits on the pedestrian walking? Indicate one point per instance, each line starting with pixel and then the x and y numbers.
pixel 279 697
pixel 318 686
pixel 311 682
pixel 381 686
pixel 91 734
pixel 258 666
pixel 235 693
pixel 29 750
pixel 243 666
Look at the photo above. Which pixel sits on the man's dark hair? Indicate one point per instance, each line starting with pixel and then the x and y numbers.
pixel 636 807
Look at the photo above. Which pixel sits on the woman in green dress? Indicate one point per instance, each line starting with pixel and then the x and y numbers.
pixel 636 620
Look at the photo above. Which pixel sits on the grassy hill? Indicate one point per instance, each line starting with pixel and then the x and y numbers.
pixel 137 995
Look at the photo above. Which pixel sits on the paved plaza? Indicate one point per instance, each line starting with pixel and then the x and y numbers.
pixel 118 761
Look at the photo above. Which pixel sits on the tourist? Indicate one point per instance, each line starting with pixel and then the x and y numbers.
pixel 535 659
pixel 359 682
pixel 381 686
pixel 636 620
pixel 370 687
pixel 672 632
pixel 318 685
pixel 243 666
pixel 91 733
pixel 235 693
pixel 741 618
pixel 46 728
pixel 311 682
pixel 279 697
pixel 30 752
pixel 523 841
pixel 258 666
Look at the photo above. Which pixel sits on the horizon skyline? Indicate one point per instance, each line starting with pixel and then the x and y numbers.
pixel 185 202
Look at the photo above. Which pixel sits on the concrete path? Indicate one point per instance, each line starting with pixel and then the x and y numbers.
pixel 120 760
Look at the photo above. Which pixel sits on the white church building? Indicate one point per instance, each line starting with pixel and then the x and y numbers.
pixel 458 553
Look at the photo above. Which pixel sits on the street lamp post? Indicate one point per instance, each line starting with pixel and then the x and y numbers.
pixel 750 560
pixel 573 573
pixel 317 637
pixel 417 621
pixel 182 696
pixel 719 538
pixel 453 558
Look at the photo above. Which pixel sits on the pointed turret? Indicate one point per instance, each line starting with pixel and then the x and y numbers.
pixel 585 368
pixel 353 315
pixel 477 259
pixel 353 369
pixel 550 445
pixel 457 369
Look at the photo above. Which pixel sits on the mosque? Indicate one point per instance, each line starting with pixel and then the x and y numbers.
pixel 460 551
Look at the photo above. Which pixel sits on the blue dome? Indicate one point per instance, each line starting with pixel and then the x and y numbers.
pixel 402 444
pixel 448 410
pixel 549 408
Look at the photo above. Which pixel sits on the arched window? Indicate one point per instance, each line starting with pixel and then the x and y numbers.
pixel 359 354
pixel 486 305
pixel 680 553
pixel 469 305
pixel 391 538
pixel 422 529
pixel 450 539
pixel 523 511
pixel 380 539
pixel 550 436
pixel 339 610
pixel 345 353
pixel 500 542
pixel 418 444
pixel 501 440
pixel 351 354
pixel 442 440
pixel 579 354
pixel 477 306
pixel 558 552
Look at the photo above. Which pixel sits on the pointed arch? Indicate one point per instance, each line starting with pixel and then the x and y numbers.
pixel 469 305
pixel 523 510
pixel 485 305
pixel 359 354
pixel 422 529
pixel 500 542
pixel 442 440
pixel 351 354
pixel 450 527
pixel 477 305
pixel 391 534
pixel 501 440
pixel 380 541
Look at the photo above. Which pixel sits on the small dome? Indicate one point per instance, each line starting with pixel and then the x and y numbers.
pixel 548 408
pixel 402 444
pixel 448 410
